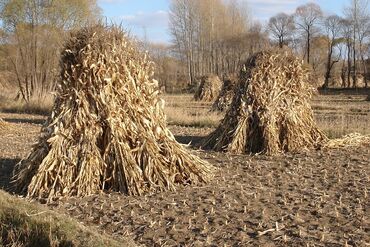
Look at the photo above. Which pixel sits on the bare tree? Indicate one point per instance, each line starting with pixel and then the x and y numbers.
pixel 209 35
pixel 332 29
pixel 363 35
pixel 346 32
pixel 281 27
pixel 364 44
pixel 306 18
pixel 169 69
pixel 33 31
pixel 358 16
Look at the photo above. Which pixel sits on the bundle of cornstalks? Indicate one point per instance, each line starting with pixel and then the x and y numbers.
pixel 107 130
pixel 270 112
pixel 208 89
pixel 226 94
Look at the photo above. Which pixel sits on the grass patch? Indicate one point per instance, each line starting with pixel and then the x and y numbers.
pixel 338 120
pixel 337 125
pixel 40 106
pixel 324 108
pixel 334 134
pixel 199 118
pixel 182 110
pixel 26 224
pixel 36 105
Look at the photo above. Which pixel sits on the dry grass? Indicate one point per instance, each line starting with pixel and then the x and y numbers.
pixel 341 124
pixel 189 118
pixel 36 105
pixel 182 110
pixel 2 124
pixel 23 223
pixel 107 130
pixel 335 115
pixel 339 115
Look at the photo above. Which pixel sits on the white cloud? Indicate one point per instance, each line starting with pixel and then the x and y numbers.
pixel 263 9
pixel 151 25
pixel 147 19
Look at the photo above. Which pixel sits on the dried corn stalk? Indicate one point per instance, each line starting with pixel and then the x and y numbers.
pixel 270 112
pixel 2 124
pixel 107 130
pixel 226 94
pixel 208 89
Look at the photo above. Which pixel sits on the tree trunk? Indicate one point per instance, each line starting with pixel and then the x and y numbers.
pixel 308 45
pixel 328 66
pixel 343 75
pixel 349 65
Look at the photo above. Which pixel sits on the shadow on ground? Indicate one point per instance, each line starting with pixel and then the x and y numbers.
pixel 344 91
pixel 6 171
pixel 25 120
pixel 193 141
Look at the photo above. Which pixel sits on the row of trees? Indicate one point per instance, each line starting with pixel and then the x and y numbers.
pixel 215 36
pixel 208 36
pixel 338 39
pixel 31 34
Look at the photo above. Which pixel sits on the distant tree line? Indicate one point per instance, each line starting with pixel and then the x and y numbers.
pixel 31 35
pixel 215 36
pixel 208 37
pixel 328 40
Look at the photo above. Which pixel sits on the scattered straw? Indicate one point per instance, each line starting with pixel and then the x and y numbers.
pixel 348 141
pixel 208 89
pixel 226 94
pixel 107 130
pixel 270 112
pixel 3 124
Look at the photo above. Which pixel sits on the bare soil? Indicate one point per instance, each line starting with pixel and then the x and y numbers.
pixel 313 198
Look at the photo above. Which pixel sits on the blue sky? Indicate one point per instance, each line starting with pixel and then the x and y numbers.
pixel 150 17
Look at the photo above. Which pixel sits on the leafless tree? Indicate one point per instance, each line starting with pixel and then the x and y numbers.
pixel 358 15
pixel 332 29
pixel 182 27
pixel 211 36
pixel 346 32
pixel 33 32
pixel 281 27
pixel 306 18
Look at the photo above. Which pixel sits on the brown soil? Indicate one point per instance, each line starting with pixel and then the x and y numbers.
pixel 316 198
pixel 16 141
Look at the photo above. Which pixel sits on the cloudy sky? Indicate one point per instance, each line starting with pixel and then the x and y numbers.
pixel 150 17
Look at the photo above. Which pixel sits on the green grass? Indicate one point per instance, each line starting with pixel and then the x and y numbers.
pixel 23 223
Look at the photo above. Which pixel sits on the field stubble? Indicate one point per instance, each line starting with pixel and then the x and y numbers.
pixel 311 198
pixel 336 115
